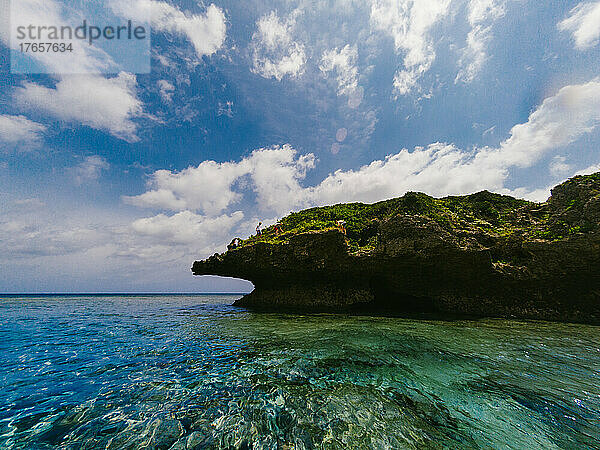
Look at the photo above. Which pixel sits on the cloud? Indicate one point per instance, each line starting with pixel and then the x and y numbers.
pixel 439 169
pixel 93 251
pixel 583 23
pixel 343 63
pixel 84 58
pixel 89 169
pixel 225 109
pixel 166 90
pixel 20 132
pixel 31 230
pixel 20 207
pixel 206 188
pixel 558 166
pixel 274 175
pixel 274 52
pixel 443 169
pixel 409 23
pixel 26 238
pixel 29 203
pixel 489 131
pixel 207 32
pixel 484 10
pixel 481 14
pixel 186 227
pixel 108 104
pixel 589 170
pixel 557 122
pixel 273 172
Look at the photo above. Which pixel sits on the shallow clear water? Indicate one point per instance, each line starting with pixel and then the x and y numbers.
pixel 194 372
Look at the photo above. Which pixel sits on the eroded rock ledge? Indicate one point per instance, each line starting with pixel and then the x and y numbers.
pixel 480 255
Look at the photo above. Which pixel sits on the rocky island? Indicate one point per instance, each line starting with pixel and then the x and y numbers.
pixel 483 254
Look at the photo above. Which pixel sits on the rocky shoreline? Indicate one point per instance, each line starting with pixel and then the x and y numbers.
pixel 479 255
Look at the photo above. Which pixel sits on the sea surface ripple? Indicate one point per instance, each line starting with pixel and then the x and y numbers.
pixel 182 371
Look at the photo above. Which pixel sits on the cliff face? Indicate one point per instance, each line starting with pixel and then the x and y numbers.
pixel 483 255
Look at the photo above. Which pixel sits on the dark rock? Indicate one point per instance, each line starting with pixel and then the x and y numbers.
pixel 480 255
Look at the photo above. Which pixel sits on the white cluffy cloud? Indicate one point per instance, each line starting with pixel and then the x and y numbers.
pixel 481 15
pixel 83 59
pixel 439 169
pixel 27 237
pixel 19 131
pixel 186 227
pixel 443 169
pixel 343 63
pixel 206 188
pixel 274 174
pixel 117 250
pixel 559 121
pixel 275 53
pixel 559 166
pixel 108 104
pixel 206 32
pixel 166 90
pixel 409 23
pixel 584 24
pixel 589 170
pixel 89 169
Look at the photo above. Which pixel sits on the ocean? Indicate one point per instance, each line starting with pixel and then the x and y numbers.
pixel 192 371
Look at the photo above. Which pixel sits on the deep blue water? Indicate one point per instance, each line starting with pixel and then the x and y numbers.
pixel 194 372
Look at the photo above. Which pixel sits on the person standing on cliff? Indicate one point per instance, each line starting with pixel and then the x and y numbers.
pixel 258 230
pixel 234 244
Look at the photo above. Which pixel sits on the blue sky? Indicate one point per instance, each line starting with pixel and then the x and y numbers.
pixel 117 182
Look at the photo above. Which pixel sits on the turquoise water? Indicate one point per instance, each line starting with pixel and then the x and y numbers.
pixel 194 372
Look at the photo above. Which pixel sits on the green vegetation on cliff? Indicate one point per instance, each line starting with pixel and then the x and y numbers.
pixel 483 212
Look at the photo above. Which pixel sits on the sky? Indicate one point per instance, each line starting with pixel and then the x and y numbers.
pixel 117 182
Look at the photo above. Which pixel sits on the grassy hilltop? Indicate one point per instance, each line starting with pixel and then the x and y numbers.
pixel 483 212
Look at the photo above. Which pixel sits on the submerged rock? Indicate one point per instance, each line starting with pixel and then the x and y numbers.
pixel 483 254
